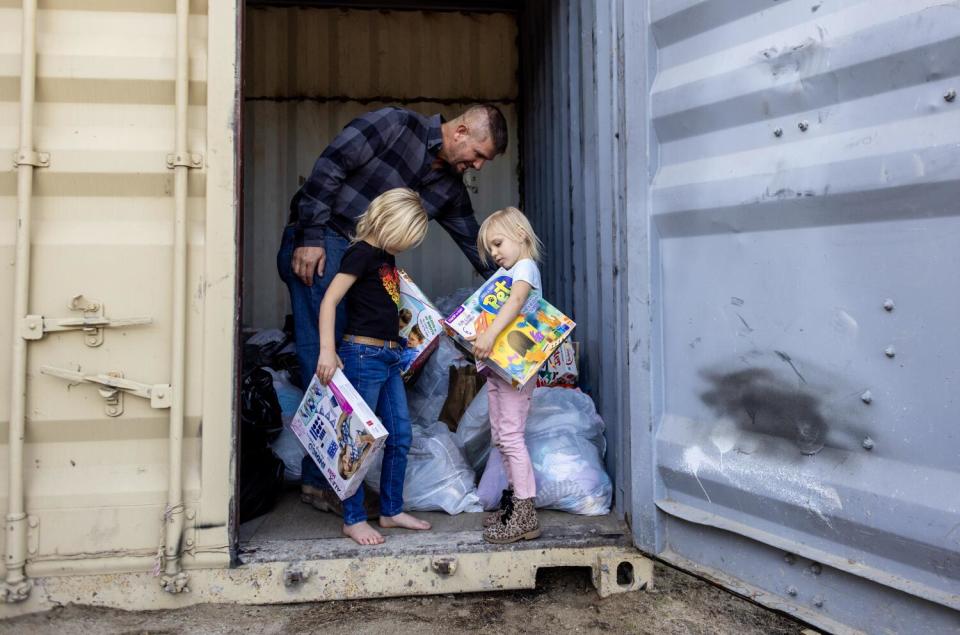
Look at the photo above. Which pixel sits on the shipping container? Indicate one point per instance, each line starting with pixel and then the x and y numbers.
pixel 749 208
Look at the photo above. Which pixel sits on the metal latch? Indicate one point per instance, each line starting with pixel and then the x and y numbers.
pixel 114 387
pixel 92 323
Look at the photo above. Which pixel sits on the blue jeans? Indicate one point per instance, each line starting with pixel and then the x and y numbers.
pixel 305 302
pixel 375 373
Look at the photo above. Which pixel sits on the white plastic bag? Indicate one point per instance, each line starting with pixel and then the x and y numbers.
pixel 437 478
pixel 426 396
pixel 286 446
pixel 473 431
pixel 564 436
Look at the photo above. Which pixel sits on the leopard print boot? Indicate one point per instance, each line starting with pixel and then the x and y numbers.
pixel 518 522
pixel 494 518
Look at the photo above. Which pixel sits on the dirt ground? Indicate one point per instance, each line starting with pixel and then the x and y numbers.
pixel 564 602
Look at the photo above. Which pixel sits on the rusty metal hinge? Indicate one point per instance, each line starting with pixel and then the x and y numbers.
pixel 114 386
pixel 92 323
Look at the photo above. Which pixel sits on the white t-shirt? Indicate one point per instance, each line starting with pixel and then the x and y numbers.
pixel 526 269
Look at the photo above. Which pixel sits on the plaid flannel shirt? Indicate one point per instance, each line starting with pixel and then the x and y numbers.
pixel 381 150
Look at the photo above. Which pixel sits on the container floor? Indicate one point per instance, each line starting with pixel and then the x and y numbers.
pixel 296 531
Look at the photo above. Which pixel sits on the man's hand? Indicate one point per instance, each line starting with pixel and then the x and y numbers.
pixel 308 261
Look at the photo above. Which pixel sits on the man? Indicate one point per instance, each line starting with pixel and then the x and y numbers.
pixel 384 149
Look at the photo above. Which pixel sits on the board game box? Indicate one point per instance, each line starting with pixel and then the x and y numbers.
pixel 339 431
pixel 420 324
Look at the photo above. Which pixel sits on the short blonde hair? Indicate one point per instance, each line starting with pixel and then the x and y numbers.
pixel 395 220
pixel 510 222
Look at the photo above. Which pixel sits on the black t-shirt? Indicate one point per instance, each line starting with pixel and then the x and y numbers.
pixel 373 300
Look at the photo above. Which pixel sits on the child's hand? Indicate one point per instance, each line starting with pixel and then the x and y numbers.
pixel 327 365
pixel 483 345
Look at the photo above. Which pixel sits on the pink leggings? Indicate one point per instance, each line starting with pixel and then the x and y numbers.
pixel 508 419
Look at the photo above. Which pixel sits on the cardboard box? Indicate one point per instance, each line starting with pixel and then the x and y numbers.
pixel 523 346
pixel 561 368
pixel 420 324
pixel 339 431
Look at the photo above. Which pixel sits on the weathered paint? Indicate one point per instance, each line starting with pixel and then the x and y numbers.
pixel 346 578
pixel 301 89
pixel 805 172
pixel 103 228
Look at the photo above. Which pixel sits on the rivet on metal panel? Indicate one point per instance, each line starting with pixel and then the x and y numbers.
pixel 867 443
pixel 778 132
pixel 950 95
pixel 792 591
pixel 803 125
pixel 790 558
pixel 888 304
pixel 818 601
pixel 191 514
pixel 815 568
pixel 446 565
pixel 294 575
pixel 890 352
pixel 866 397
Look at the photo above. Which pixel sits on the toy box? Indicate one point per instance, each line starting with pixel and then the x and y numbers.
pixel 561 368
pixel 339 431
pixel 524 345
pixel 420 324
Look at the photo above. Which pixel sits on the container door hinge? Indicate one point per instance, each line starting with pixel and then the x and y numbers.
pixel 185 160
pixel 36 159
pixel 113 387
pixel 92 323
pixel 33 536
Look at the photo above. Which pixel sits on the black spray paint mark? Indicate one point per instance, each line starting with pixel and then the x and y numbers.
pixel 786 358
pixel 759 401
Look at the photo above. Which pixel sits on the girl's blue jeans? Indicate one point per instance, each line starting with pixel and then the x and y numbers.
pixel 375 373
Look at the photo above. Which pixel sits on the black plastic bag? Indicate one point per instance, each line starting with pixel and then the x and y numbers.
pixel 261 471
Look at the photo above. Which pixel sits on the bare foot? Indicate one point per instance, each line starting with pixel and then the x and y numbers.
pixel 363 534
pixel 404 521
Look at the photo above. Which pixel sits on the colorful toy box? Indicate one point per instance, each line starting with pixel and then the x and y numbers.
pixel 561 368
pixel 420 324
pixel 339 431
pixel 522 347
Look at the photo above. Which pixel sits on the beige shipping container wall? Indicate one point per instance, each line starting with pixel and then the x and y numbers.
pixel 96 482
pixel 308 72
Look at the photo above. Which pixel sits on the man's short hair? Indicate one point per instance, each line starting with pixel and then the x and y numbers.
pixel 496 124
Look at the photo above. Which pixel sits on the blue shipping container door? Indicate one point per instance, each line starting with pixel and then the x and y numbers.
pixel 805 258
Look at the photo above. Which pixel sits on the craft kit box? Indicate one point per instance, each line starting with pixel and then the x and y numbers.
pixel 420 324
pixel 561 368
pixel 524 345
pixel 339 431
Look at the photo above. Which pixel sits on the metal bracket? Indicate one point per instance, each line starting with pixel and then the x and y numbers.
pixel 160 395
pixel 92 323
pixel 33 536
pixel 186 161
pixel 36 159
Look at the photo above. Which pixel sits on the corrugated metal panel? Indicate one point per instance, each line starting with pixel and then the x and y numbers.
pixel 103 227
pixel 807 172
pixel 302 89
pixel 571 191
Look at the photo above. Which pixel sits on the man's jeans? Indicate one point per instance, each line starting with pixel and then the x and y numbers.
pixel 375 373
pixel 306 313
